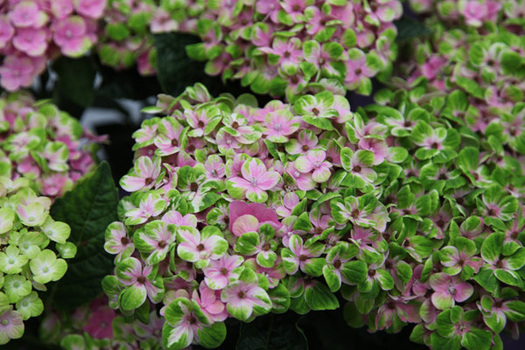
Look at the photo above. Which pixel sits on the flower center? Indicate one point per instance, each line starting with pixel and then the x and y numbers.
pixel 303 257
pixel 200 124
pixel 124 240
pixel 266 246
pixel 452 290
pixel 242 295
pixel 162 244
pixel 235 125
pixel 305 148
pixel 191 319
pixel 69 34
pixel 337 264
pixel 148 181
pixel 200 247
pixel 224 271
pixel 278 127
pixel 141 279
pixel 315 111
pixel 355 213
pixel 254 181
pixel 174 142
pixel 194 186
pixel 357 169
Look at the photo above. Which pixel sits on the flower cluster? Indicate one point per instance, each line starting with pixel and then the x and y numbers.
pixel 127 39
pixel 458 220
pixel 287 47
pixel 237 211
pixel 473 13
pixel 96 325
pixel 32 32
pixel 278 47
pixel 43 144
pixel 27 263
pixel 487 63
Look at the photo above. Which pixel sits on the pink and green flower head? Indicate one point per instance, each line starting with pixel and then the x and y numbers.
pixel 11 325
pixel 210 302
pixel 315 163
pixel 118 242
pixel 245 298
pixel 71 35
pixel 155 239
pixel 256 180
pixel 200 247
pixel 260 212
pixel 90 8
pixel 16 71
pixel 305 257
pixel 279 125
pixel 187 323
pixel 32 41
pixel 223 271
pixel 27 14
pixel 145 175
pixel 449 290
pixel 141 282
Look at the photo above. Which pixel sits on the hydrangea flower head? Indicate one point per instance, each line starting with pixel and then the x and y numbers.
pixel 31 31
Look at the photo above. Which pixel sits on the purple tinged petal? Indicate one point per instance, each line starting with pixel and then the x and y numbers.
pixel 463 291
pixel 245 223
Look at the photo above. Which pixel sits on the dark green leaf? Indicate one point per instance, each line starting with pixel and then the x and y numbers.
pixel 409 28
pixel 88 209
pixel 76 79
pixel 271 333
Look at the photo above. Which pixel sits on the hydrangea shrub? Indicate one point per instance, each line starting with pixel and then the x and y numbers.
pixel 477 47
pixel 33 32
pixel 237 211
pixel 473 13
pixel 293 46
pixel 277 47
pixel 40 143
pixel 33 247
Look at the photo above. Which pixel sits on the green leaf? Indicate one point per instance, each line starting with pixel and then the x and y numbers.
pixel 492 247
pixel 516 312
pixel 319 297
pixel 76 78
pixel 477 339
pixel 354 271
pixel 487 280
pixel 213 336
pixel 509 277
pixel 176 70
pixel 440 343
pixel 271 333
pixel 88 209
